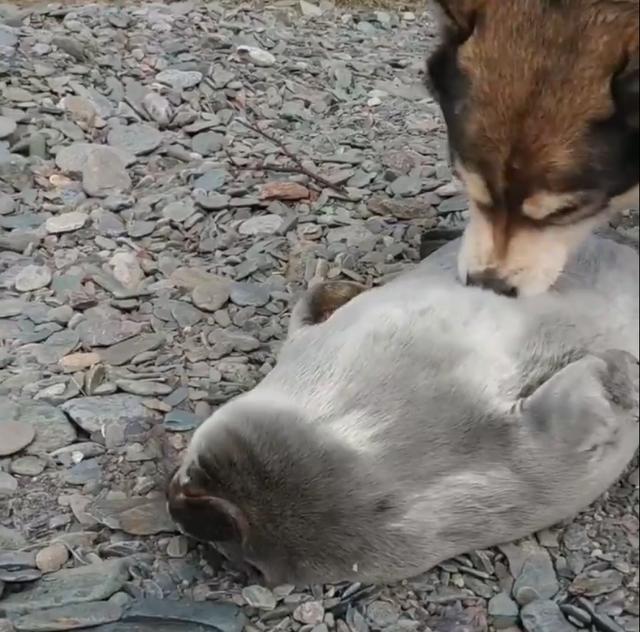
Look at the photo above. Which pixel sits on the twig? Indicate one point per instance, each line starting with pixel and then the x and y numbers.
pixel 314 176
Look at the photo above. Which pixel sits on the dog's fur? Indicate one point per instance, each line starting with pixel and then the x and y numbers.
pixel 541 99
pixel 420 420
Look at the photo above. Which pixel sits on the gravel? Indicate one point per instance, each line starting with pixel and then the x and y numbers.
pixel 171 177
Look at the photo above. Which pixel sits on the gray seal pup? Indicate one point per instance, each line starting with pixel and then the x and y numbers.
pixel 409 423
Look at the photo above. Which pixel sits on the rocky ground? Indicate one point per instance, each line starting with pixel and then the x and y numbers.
pixel 170 178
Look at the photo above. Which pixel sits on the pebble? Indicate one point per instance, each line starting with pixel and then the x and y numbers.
pixel 52 558
pixel 7 127
pixel 211 295
pixel 596 584
pixel 544 616
pixel 259 597
pixel 16 435
pixel 8 485
pixel 256 55
pixel 264 224
pixel 179 79
pixel 309 612
pixel 33 277
pixel 74 617
pixel 27 466
pixel 66 222
pixel 503 610
pixel 137 138
pixel 537 579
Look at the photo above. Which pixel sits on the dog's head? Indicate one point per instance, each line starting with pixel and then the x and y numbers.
pixel 540 98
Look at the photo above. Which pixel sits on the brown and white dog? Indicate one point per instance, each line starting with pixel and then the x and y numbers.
pixel 540 99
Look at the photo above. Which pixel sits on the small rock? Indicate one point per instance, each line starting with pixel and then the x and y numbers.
pixel 178 546
pixel 74 617
pixel 136 515
pixel 8 485
pixel 104 173
pixel 261 225
pixel 286 191
pixel 596 584
pixel 310 10
pixel 179 79
pixel 178 420
pixel 382 614
pixel 73 158
pixel 16 435
pixel 124 352
pixel 257 56
pixel 7 127
pixel 544 616
pixel 52 558
pixel 503 610
pixel 97 413
pixel 32 278
pixel 211 295
pixel 259 597
pixel 137 138
pixel 27 466
pixel 309 612
pixel 245 294
pixel 66 222
pixel 79 361
pixel 126 269
pixel 158 108
pixel 178 211
pixel 93 582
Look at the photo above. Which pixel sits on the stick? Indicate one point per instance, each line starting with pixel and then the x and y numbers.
pixel 292 156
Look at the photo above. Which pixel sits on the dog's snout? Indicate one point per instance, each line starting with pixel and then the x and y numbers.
pixel 489 280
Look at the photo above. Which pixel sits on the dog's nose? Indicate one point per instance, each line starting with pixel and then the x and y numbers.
pixel 489 280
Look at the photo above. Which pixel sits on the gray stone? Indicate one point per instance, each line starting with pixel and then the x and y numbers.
pixel 244 294
pixel 382 614
pixel 83 473
pixel 309 612
pixel 33 277
pixel 211 295
pixel 537 580
pixel 93 582
pixel 179 79
pixel 211 180
pixel 178 420
pixel 261 225
pixel 259 597
pixel 16 435
pixel 124 352
pixel 27 466
pixel 544 616
pixel 104 173
pixel 503 610
pixel 8 485
pixel 95 413
pixel 178 211
pixel 53 430
pixel 10 539
pixel 7 127
pixel 207 143
pixel 73 158
pixel 10 307
pixel 136 515
pixel 596 584
pixel 66 222
pixel 137 138
pixel 72 617
pixel 96 331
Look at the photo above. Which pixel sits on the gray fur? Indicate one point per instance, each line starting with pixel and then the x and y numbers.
pixel 424 419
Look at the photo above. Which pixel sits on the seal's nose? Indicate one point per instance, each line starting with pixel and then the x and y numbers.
pixel 488 280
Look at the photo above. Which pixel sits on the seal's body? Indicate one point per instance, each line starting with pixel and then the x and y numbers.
pixel 409 423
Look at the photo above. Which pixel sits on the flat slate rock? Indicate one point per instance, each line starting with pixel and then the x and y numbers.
pixel 69 586
pixel 222 617
pixel 95 412
pixel 53 430
pixel 136 515
pixel 73 617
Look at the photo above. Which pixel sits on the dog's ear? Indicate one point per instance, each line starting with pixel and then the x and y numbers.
pixel 626 91
pixel 458 17
pixel 321 301
pixel 205 516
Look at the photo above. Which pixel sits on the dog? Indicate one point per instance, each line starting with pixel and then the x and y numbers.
pixel 412 422
pixel 540 100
